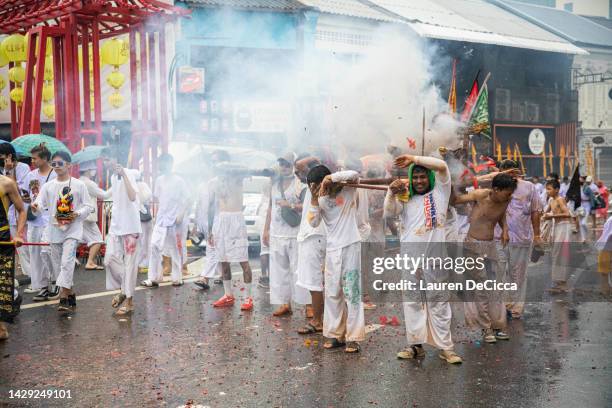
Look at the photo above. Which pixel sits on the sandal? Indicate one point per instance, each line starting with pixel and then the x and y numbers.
pixel 118 300
pixel 282 311
pixel 149 284
pixel 95 268
pixel 333 343
pixel 352 347
pixel 411 352
pixel 309 329
pixel 124 310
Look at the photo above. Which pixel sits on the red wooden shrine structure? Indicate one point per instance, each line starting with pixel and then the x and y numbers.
pixel 71 24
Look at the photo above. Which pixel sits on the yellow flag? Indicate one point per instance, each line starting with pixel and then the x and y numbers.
pixel 550 158
pixel 508 152
pixel 562 162
pixel 499 153
pixel 515 153
pixel 544 162
pixel 520 157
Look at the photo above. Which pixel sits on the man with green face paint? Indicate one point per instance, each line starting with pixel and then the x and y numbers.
pixel 423 218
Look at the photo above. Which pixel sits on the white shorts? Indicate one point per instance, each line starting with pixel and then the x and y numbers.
pixel 91 234
pixel 230 237
pixel 311 259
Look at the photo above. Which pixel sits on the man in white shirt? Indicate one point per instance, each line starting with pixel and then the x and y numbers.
pixel 335 205
pixel 564 187
pixel 91 231
pixel 171 192
pixel 281 235
pixel 311 253
pixel 18 172
pixel 121 258
pixel 67 201
pixel 423 219
pixel 40 259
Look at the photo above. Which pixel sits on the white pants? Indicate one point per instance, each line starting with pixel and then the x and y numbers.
pixel 560 254
pixel 23 253
pixel 144 244
pixel 283 273
pixel 40 259
pixel 169 241
pixel 230 237
pixel 429 322
pixel 513 260
pixel 63 257
pixel 343 317
pixel 212 267
pixel 311 259
pixel 584 222
pixel 120 262
pixel 91 234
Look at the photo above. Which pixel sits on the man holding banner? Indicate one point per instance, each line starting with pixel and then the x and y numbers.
pixel 9 194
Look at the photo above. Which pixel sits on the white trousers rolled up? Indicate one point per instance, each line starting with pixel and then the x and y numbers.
pixel 167 241
pixel 283 273
pixel 40 259
pixel 343 316
pixel 63 257
pixel 120 261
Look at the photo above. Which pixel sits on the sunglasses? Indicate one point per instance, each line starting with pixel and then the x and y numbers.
pixel 58 164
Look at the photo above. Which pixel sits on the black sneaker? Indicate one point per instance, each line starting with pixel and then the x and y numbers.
pixel 202 285
pixel 53 293
pixel 218 282
pixel 42 296
pixel 264 282
pixel 72 301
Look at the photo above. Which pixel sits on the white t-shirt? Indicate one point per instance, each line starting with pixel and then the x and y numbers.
pixel 34 183
pixel 563 189
pixel 339 214
pixel 278 227
pixel 95 193
pixel 21 173
pixel 423 217
pixel 125 218
pixel 48 199
pixel 171 193
pixel 307 230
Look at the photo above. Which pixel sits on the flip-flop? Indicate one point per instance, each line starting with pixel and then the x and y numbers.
pixel 333 343
pixel 124 311
pixel 309 329
pixel 149 284
pixel 118 300
pixel 352 347
pixel 96 268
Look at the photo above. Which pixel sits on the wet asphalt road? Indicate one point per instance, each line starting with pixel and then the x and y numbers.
pixel 177 349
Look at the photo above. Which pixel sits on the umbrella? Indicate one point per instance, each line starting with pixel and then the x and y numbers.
pixel 26 143
pixel 18 151
pixel 88 154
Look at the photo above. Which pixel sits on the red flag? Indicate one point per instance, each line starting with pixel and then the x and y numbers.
pixel 470 101
pixel 452 94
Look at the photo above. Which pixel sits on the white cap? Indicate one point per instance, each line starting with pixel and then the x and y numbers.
pixel 589 179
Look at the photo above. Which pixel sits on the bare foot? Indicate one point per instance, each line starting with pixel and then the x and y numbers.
pixel 282 310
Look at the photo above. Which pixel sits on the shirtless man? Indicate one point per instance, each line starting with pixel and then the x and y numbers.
pixel 229 236
pixel 9 194
pixel 558 212
pixel 486 310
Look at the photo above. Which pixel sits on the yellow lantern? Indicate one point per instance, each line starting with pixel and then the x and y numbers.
pixel 17 74
pixel 115 79
pixel 14 47
pixel 2 82
pixel 116 100
pixel 3 103
pixel 17 95
pixel 47 92
pixel 48 49
pixel 3 58
pixel 48 69
pixel 115 52
pixel 49 110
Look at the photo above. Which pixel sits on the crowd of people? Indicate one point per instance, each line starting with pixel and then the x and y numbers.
pixel 322 224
